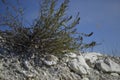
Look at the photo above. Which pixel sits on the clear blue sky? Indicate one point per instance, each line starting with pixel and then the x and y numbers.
pixel 99 16
pixel 103 18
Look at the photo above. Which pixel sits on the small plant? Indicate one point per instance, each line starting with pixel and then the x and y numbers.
pixel 52 32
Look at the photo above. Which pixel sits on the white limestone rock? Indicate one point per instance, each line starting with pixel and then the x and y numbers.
pixel 76 67
pixel 50 60
pixel 85 79
pixel 27 65
pixel 82 61
pixel 107 65
pixel 114 74
pixel 70 55
pixel 79 66
pixel 28 74
pixel 1 39
pixel 91 58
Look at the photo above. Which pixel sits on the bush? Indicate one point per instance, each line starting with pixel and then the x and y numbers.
pixel 52 31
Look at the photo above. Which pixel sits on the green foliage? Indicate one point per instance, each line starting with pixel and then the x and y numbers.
pixel 52 32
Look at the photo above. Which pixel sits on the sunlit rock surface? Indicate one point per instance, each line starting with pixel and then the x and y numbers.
pixel 107 65
pixel 70 66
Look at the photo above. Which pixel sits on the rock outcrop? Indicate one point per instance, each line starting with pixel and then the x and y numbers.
pixel 70 66
pixel 79 65
pixel 107 65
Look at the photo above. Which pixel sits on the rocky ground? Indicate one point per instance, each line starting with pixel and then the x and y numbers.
pixel 70 66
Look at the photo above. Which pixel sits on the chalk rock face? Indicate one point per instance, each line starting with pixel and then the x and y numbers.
pixel 91 58
pixel 114 74
pixel 50 60
pixel 1 39
pixel 69 66
pixel 71 55
pixel 85 79
pixel 82 62
pixel 107 65
pixel 79 65
pixel 1 42
pixel 67 57
pixel 64 73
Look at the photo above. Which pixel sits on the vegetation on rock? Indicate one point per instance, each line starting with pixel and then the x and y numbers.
pixel 52 32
